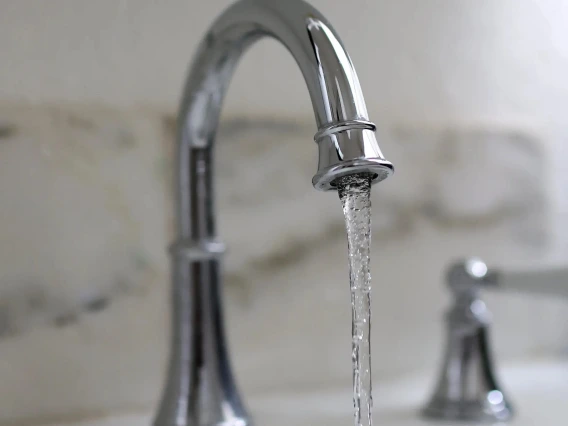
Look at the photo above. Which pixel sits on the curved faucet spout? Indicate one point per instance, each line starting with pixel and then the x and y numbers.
pixel 345 134
pixel 200 390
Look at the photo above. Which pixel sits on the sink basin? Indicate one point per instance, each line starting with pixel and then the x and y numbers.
pixel 538 390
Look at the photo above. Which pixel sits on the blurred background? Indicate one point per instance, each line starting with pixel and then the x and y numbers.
pixel 470 98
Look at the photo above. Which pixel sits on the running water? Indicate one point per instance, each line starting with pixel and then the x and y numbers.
pixel 354 192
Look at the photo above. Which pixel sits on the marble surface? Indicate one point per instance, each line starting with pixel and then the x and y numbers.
pixel 86 216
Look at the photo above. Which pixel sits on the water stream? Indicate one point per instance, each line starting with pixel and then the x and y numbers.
pixel 354 192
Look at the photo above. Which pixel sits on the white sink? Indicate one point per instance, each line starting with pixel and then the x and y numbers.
pixel 538 390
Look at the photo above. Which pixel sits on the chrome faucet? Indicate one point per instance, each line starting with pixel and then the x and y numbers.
pixel 467 388
pixel 200 389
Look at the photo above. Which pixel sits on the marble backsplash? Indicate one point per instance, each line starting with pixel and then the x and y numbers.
pixel 86 216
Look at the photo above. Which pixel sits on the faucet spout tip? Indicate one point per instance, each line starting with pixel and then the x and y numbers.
pixel 350 149
pixel 380 169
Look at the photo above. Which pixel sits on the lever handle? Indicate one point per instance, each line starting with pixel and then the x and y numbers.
pixel 548 280
pixel 473 274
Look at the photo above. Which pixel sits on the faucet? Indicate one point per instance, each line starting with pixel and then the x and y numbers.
pixel 467 388
pixel 200 389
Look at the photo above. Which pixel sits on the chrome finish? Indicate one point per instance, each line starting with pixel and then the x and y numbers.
pixel 467 388
pixel 207 249
pixel 343 126
pixel 200 389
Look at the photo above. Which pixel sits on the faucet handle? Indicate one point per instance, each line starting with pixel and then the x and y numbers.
pixel 548 279
pixel 471 275
pixel 467 388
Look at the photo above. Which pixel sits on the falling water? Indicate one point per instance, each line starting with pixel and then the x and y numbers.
pixel 354 192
